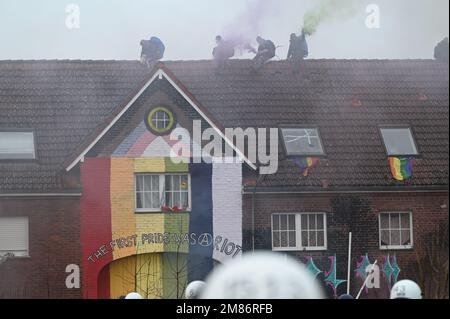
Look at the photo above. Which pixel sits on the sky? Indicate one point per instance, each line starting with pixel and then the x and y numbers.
pixel 112 29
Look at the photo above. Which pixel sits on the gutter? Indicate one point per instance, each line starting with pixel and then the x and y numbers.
pixel 74 194
pixel 287 190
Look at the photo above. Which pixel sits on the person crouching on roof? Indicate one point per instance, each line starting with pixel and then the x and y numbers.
pixel 223 51
pixel 298 50
pixel 266 51
pixel 152 51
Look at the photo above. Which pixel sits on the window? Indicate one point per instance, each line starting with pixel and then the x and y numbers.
pixel 155 191
pixel 14 236
pixel 176 190
pixel 17 145
pixel 160 120
pixel 303 231
pixel 398 141
pixel 395 230
pixel 302 141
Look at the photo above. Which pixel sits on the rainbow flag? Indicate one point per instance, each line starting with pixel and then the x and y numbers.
pixel 401 168
pixel 305 164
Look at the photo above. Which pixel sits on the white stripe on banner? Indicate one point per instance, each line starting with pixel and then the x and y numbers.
pixel 227 210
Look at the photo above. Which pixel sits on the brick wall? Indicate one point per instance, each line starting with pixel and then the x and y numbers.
pixel 429 210
pixel 54 243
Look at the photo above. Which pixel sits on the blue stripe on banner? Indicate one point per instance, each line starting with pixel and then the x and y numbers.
pixel 129 141
pixel 200 261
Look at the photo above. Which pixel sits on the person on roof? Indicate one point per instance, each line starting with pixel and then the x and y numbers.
pixel 266 51
pixel 223 51
pixel 441 51
pixel 152 50
pixel 298 50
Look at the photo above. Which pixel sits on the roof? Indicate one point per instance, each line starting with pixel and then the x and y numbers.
pixel 65 101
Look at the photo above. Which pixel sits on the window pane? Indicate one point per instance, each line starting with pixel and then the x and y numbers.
pixel 304 221
pixel 384 237
pixel 312 238
pixel 147 183
pixel 395 237
pixel 155 200
pixel 184 182
pixel 176 182
pixel 155 183
pixel 139 183
pixel 398 141
pixel 176 199
pixel 291 222
pixel 312 222
pixel 305 239
pixel 139 200
pixel 292 240
pixel 276 239
pixel 405 219
pixel 283 221
pixel 384 221
pixel 320 218
pixel 284 242
pixel 321 238
pixel 395 221
pixel 276 222
pixel 168 183
pixel 302 141
pixel 167 199
pixel 17 145
pixel 406 237
pixel 148 200
pixel 184 200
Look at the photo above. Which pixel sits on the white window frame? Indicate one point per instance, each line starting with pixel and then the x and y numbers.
pixel 298 233
pixel 412 139
pixel 20 254
pixel 305 129
pixel 411 232
pixel 165 120
pixel 162 191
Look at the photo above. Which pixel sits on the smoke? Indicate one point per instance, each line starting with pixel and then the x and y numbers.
pixel 327 10
pixel 250 23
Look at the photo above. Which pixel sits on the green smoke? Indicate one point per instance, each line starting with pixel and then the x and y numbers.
pixel 326 10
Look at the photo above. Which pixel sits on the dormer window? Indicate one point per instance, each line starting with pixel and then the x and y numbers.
pixel 302 141
pixel 16 145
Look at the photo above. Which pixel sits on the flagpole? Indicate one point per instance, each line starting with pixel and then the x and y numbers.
pixel 368 276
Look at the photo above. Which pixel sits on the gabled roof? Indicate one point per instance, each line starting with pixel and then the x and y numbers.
pixel 159 71
pixel 66 101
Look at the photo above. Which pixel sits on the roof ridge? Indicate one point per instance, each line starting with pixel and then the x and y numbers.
pixel 205 60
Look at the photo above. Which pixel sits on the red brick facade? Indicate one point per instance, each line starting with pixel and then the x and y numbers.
pixel 429 211
pixel 54 243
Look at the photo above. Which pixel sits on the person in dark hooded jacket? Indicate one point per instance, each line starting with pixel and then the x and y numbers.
pixel 298 50
pixel 266 51
pixel 222 52
pixel 152 50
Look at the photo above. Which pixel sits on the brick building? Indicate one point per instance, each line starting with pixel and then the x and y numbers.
pixel 86 176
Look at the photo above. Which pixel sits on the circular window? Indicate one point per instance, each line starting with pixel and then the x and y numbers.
pixel 160 120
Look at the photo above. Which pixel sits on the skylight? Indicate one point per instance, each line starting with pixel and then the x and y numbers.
pixel 17 145
pixel 302 141
pixel 398 141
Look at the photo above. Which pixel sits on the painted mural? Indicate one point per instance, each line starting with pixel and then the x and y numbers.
pixel 155 253
pixel 389 268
